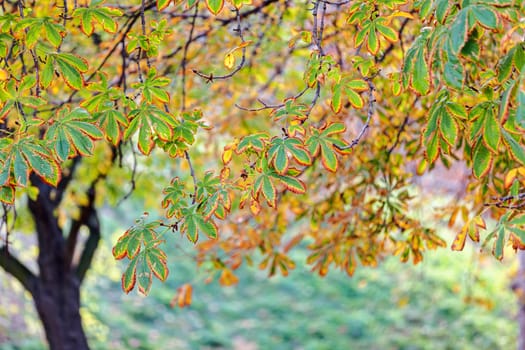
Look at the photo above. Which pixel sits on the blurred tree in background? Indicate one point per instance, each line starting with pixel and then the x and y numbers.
pixel 266 123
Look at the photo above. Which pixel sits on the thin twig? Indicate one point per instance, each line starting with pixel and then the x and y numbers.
pixel 369 114
pixel 267 106
pixel 143 26
pixel 210 77
pixel 185 56
pixel 193 176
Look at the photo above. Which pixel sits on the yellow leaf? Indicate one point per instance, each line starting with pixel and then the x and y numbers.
pixel 509 178
pixel 4 75
pixel 244 44
pixel 399 14
pixel 255 207
pixel 229 60
pixel 227 155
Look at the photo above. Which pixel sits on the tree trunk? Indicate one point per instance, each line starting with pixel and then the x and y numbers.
pixel 56 290
pixel 58 305
pixel 56 287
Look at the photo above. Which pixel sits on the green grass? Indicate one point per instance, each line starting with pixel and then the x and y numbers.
pixel 395 306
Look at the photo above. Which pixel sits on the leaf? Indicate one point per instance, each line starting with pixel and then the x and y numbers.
pixel 269 192
pixel 215 6
pixel 432 148
pixel 387 32
pixel 129 277
pixel 71 76
pixel 351 89
pixel 143 275
pixel 458 31
pixel 481 160
pixel 421 78
pixel 453 75
pixel 335 102
pixel 255 142
pixel 491 131
pixel 151 123
pixel 497 249
pixel 449 129
pixel 7 194
pixel 328 158
pixel 162 4
pixel 183 296
pixel 293 184
pixel 456 110
pixel 459 241
pixel 229 60
pixel 48 73
pixel 208 227
pixel 485 16
pixel 515 148
pixel 373 41
pixel 156 260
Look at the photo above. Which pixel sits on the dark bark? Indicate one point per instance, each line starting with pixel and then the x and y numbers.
pixel 57 291
pixel 56 287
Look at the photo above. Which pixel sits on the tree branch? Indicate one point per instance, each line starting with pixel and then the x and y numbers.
pixel 17 269
pixel 85 213
pixel 91 244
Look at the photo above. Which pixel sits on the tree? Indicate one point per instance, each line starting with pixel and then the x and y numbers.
pixel 315 111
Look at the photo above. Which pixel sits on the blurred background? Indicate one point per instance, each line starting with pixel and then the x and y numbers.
pixel 452 300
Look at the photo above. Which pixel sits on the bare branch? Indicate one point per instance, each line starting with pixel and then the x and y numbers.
pixel 185 55
pixel 369 114
pixel 17 269
pixel 210 77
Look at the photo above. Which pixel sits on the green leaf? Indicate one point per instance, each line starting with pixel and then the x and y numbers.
pixel 111 121
pixel 432 148
pixel 458 31
pixel 515 148
pixel 129 277
pixel 387 32
pixel 518 220
pixel 497 250
pixel 215 6
pixel 48 73
pixel 7 194
pixel 491 131
pixel 156 260
pixel 162 4
pixel 293 184
pixel 54 33
pixel 328 158
pixel 21 170
pixel 373 41
pixel 335 103
pixel 77 62
pixel 441 10
pixel 268 190
pixel 421 78
pixel 207 226
pixel 520 110
pixel 485 16
pixel 456 110
pixel 153 123
pixel 481 160
pixel 71 76
pixel 143 275
pixel 505 65
pixel 453 75
pixel 448 128
pixel 190 227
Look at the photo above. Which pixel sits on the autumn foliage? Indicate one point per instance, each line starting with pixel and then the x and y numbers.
pixel 273 123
